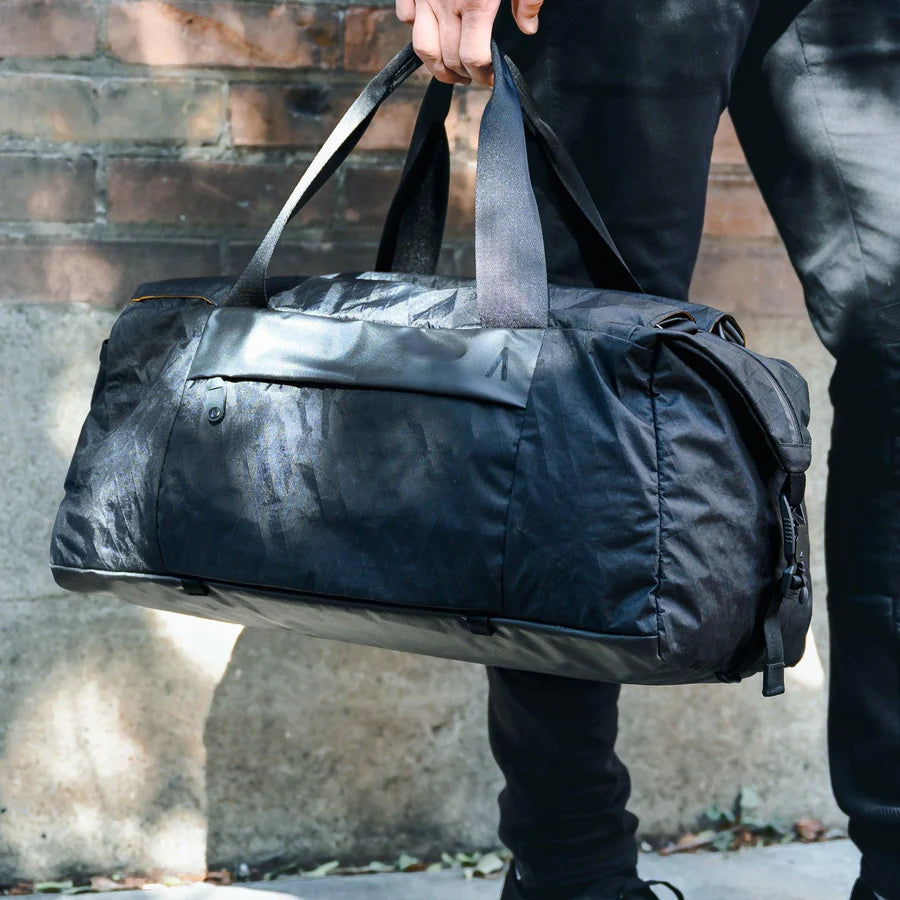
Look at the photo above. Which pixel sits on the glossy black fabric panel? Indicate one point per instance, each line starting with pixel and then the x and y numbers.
pixel 494 365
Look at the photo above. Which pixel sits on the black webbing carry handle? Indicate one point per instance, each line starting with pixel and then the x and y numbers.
pixel 414 226
pixel 410 241
pixel 250 287
pixel 510 265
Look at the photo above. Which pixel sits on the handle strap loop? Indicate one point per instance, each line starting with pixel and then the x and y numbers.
pixel 410 241
pixel 250 287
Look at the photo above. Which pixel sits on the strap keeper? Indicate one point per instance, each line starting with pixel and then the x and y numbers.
pixel 479 625
pixel 773 679
pixel 773 674
pixel 795 487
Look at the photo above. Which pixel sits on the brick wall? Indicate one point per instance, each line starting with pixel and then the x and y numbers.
pixel 143 139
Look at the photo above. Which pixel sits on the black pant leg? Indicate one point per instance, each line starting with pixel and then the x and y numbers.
pixel 634 91
pixel 816 104
pixel 562 811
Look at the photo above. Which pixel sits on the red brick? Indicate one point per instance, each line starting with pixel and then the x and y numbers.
pixel 368 194
pixel 280 115
pixel 47 189
pixel 203 33
pixel 726 148
pixel 66 108
pixel 734 208
pixel 307 259
pixel 392 127
pixel 187 192
pixel 66 28
pixel 372 37
pixel 104 273
pixel 747 277
pixel 303 115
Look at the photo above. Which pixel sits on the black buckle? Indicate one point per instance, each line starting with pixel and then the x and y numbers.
pixel 794 583
pixel 794 579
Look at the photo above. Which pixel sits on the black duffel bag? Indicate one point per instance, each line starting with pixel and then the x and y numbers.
pixel 584 481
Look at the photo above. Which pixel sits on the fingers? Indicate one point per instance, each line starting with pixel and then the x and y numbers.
pixel 475 44
pixel 406 11
pixel 525 12
pixel 449 28
pixel 427 43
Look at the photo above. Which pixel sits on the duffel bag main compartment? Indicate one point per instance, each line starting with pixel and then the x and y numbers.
pixel 589 499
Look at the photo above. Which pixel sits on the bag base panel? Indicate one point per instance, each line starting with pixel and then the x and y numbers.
pixel 490 641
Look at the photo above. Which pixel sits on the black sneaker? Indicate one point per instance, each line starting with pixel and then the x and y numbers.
pixel 628 889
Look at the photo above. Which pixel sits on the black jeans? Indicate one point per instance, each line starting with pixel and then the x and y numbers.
pixel 635 88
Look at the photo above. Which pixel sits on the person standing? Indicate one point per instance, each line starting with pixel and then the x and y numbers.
pixel 634 89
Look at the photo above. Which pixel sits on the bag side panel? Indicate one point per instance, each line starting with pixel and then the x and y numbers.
pixel 583 523
pixel 107 519
pixel 720 535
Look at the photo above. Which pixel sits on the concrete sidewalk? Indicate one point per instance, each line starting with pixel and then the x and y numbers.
pixel 792 872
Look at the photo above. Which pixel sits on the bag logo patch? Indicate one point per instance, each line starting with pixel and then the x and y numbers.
pixel 501 361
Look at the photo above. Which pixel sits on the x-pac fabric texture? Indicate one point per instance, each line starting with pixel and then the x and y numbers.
pixel 634 90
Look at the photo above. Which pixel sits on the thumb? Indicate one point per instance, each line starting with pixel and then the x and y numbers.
pixel 525 12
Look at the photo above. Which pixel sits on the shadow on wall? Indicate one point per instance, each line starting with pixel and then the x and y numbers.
pixel 318 749
pixel 100 762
